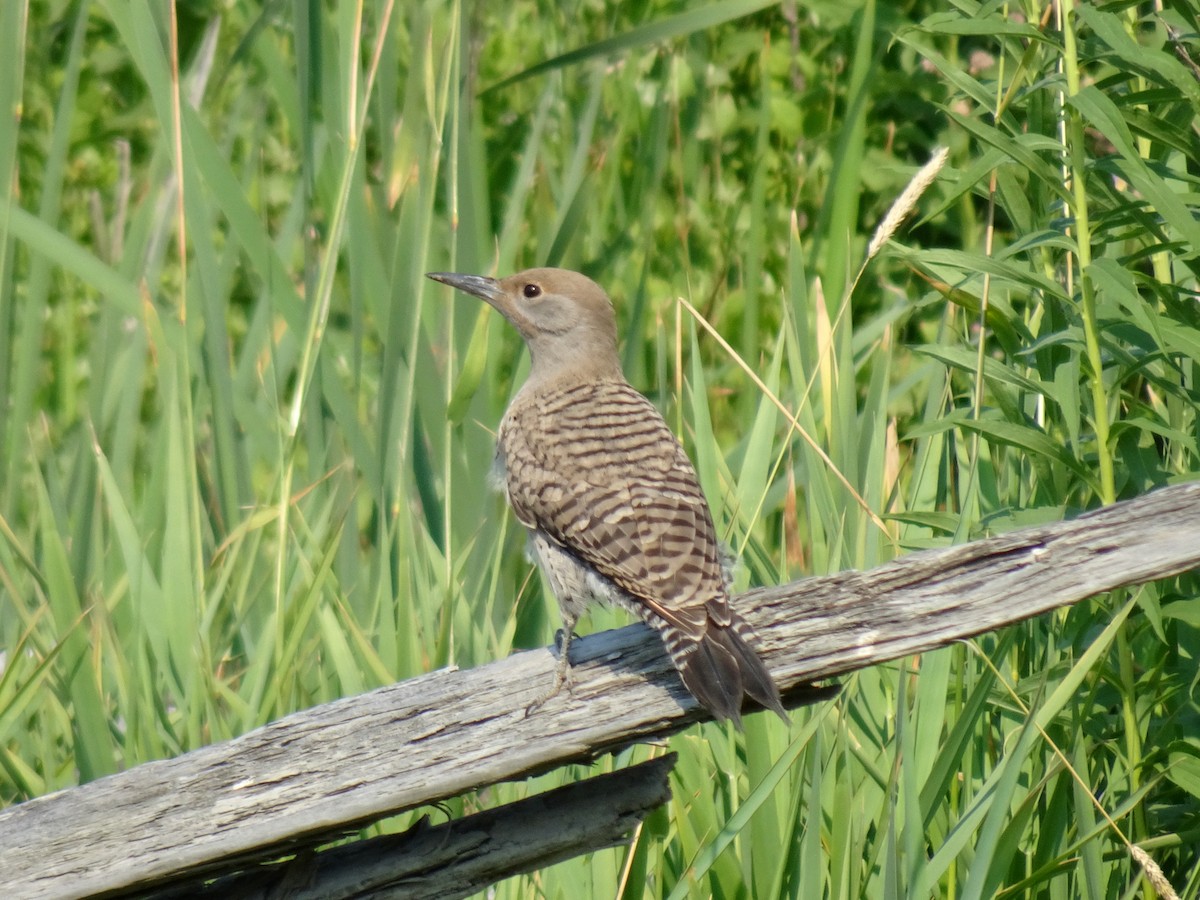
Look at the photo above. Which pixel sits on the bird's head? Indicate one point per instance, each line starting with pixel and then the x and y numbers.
pixel 566 319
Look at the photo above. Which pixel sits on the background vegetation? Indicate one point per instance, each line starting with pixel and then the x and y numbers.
pixel 243 442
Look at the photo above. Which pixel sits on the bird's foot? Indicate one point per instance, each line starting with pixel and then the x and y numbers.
pixel 562 673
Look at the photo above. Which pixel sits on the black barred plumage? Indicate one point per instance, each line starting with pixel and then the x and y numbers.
pixel 610 499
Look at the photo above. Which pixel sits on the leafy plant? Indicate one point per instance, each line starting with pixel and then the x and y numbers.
pixel 244 441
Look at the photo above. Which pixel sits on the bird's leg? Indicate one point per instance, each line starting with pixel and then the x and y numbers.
pixel 562 642
pixel 562 672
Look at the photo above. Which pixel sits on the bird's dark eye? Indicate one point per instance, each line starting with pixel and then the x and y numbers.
pixel 532 290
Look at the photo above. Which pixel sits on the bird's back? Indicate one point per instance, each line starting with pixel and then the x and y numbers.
pixel 594 466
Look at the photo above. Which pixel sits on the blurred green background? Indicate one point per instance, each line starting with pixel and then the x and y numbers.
pixel 244 442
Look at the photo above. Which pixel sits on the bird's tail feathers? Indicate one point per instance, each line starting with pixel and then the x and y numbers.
pixel 712 674
pixel 756 680
pixel 722 668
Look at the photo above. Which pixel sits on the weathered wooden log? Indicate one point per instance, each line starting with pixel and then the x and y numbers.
pixel 463 856
pixel 326 770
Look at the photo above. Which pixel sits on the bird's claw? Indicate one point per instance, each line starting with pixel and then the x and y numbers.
pixel 562 676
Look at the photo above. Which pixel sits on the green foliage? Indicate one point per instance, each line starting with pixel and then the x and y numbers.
pixel 244 443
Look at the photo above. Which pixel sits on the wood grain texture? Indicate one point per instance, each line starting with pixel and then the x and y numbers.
pixel 461 857
pixel 323 771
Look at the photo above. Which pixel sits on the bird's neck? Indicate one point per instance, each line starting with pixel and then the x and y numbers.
pixel 565 363
pixel 570 373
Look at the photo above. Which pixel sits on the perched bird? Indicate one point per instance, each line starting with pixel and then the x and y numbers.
pixel 612 504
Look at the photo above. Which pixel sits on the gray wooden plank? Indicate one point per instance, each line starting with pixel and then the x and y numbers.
pixel 463 856
pixel 325 770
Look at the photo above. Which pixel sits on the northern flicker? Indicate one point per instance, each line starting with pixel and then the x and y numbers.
pixel 611 502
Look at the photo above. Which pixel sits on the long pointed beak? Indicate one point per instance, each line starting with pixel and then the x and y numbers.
pixel 480 286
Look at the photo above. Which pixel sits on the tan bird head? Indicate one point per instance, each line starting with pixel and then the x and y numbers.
pixel 566 319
